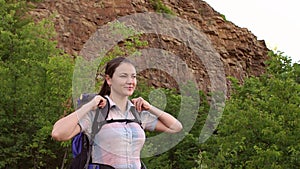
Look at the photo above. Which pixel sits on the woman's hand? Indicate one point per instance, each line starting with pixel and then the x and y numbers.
pixel 97 101
pixel 140 104
pixel 166 122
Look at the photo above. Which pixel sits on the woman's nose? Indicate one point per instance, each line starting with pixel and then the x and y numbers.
pixel 130 80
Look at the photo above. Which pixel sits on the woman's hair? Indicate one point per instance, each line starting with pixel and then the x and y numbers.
pixel 110 70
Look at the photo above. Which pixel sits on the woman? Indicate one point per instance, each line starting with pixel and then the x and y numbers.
pixel 121 143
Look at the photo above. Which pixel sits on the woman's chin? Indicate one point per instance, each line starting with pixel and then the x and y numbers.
pixel 128 93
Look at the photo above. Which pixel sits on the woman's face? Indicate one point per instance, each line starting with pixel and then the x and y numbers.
pixel 123 82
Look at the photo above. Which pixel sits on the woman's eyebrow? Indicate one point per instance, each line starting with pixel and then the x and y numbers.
pixel 123 73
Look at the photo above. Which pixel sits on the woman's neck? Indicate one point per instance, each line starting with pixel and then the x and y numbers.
pixel 121 102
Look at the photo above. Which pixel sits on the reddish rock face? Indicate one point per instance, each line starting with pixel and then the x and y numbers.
pixel 241 53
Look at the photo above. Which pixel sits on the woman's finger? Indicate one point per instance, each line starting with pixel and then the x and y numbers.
pixel 136 103
pixel 99 101
pixel 140 104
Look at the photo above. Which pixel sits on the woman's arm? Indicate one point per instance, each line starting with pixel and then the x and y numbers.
pixel 67 127
pixel 166 122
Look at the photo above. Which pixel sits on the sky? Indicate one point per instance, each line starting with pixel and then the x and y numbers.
pixel 275 21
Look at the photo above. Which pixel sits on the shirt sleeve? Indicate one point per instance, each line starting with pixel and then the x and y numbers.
pixel 85 123
pixel 149 120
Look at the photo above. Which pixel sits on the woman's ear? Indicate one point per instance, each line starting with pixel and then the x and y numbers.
pixel 108 80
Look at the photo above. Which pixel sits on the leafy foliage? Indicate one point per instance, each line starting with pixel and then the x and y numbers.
pixel 260 122
pixel 35 83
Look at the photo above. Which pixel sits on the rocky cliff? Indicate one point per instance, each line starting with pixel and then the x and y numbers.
pixel 241 54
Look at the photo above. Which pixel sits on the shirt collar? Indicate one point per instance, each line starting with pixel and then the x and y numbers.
pixel 130 105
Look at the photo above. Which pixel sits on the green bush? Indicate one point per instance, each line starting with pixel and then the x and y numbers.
pixel 260 122
pixel 35 82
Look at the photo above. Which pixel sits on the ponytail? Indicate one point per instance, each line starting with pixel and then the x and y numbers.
pixel 105 89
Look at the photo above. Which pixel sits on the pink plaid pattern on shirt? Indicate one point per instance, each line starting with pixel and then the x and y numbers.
pixel 120 145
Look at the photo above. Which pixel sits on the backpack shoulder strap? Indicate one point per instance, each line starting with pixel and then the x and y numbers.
pixel 136 114
pixel 100 119
pixel 96 126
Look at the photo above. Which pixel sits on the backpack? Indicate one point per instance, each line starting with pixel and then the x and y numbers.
pixel 82 145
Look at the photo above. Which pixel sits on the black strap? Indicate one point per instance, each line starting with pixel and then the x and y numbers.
pixel 137 117
pixel 120 120
pixel 95 129
pixel 98 124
